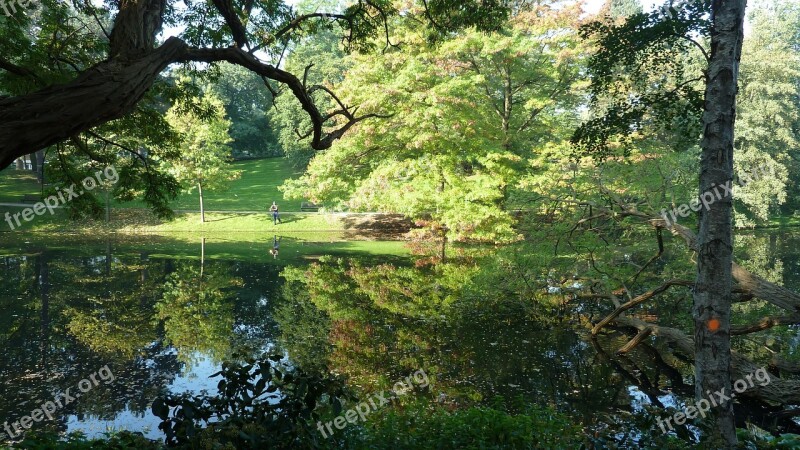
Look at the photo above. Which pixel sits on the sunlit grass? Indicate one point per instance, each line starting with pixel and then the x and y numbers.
pixel 255 190
pixel 251 223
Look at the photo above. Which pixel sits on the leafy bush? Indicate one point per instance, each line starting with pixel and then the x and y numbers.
pixel 758 439
pixel 78 441
pixel 473 428
pixel 261 403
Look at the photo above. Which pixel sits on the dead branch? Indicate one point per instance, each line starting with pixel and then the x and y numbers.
pixel 640 336
pixel 778 390
pixel 638 300
pixel 765 324
pixel 785 366
pixel 747 282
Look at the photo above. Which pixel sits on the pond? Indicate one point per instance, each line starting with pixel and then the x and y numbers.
pixel 101 328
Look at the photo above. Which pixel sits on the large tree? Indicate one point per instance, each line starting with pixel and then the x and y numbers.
pixel 651 99
pixel 469 117
pixel 128 56
pixel 712 289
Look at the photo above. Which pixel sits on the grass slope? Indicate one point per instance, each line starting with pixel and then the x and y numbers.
pixel 253 191
pixel 138 221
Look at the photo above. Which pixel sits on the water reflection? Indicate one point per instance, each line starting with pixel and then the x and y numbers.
pixel 159 323
pixel 163 316
pixel 164 324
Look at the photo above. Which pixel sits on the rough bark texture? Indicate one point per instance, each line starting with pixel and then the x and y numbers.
pixel 135 28
pixel 105 92
pixel 712 291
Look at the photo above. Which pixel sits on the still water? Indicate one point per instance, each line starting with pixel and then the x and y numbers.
pixel 120 322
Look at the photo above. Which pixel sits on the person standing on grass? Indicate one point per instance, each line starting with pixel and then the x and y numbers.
pixel 275 217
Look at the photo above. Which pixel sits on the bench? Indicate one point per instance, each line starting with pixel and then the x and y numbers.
pixel 308 206
pixel 31 198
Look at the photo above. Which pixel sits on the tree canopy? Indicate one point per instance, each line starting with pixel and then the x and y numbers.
pixel 80 77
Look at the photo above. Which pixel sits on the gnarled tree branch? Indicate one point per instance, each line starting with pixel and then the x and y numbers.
pixel 319 139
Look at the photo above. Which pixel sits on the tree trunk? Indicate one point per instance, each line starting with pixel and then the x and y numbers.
pixel 202 209
pixel 108 205
pixel 144 262
pixel 108 260
pixel 44 315
pixel 443 255
pixel 105 92
pixel 20 164
pixel 712 291
pixel 35 163
pixel 40 170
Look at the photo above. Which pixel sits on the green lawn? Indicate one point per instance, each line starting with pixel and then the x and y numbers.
pixel 14 184
pixel 321 227
pixel 134 221
pixel 238 222
pixel 241 247
pixel 253 191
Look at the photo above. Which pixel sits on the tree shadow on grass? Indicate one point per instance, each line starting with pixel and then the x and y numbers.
pixel 221 219
pixel 240 215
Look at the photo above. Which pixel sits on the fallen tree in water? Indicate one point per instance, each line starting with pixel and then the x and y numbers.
pixel 774 400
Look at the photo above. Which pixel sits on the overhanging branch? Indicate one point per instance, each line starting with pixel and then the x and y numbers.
pixel 320 140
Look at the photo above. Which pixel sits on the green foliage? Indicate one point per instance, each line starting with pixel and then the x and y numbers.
pixel 326 54
pixel 261 403
pixel 755 438
pixel 624 8
pixel 54 41
pixel 646 78
pixel 246 101
pixel 471 428
pixel 197 311
pixel 466 116
pixel 77 441
pixel 405 291
pixel 486 15
pixel 647 87
pixel 50 43
pixel 767 119
pixel 205 155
